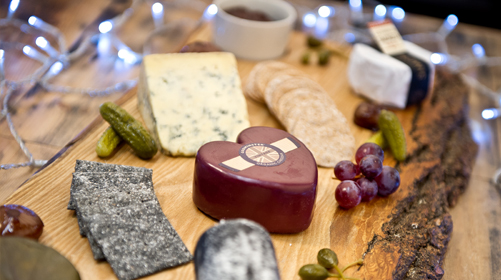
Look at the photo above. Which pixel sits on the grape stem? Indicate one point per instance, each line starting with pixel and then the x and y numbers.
pixel 356 177
pixel 339 276
pixel 359 262
pixel 340 272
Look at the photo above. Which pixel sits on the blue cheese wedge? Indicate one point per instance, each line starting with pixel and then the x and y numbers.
pixel 189 99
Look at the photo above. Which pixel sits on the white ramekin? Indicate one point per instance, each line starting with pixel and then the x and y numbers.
pixel 254 40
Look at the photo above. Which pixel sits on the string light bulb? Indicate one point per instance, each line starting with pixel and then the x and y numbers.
pixel 14 4
pixel 448 25
pixel 379 12
pixel 489 114
pixel 478 50
pixel 309 20
pixel 105 26
pixel 210 12
pixel 157 12
pixel 326 11
pixel 397 14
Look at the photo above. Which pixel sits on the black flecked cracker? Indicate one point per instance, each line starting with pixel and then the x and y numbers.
pixel 118 211
pixel 100 192
pixel 103 180
pixel 139 241
pixel 83 166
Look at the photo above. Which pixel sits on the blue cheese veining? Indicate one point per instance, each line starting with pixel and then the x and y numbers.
pixel 189 99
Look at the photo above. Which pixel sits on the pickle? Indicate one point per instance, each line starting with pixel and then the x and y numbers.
pixel 305 59
pixel 393 133
pixel 108 142
pixel 378 138
pixel 313 42
pixel 323 57
pixel 131 130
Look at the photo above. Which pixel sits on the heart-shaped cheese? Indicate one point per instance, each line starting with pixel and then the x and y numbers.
pixel 268 176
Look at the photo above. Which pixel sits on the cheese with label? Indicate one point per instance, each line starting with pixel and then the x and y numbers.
pixel 397 81
pixel 189 99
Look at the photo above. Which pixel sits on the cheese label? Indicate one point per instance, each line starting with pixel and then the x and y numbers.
pixel 387 37
pixel 261 154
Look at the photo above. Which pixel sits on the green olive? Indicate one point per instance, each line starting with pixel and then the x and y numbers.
pixel 313 272
pixel 327 258
pixel 314 42
pixel 305 59
pixel 323 57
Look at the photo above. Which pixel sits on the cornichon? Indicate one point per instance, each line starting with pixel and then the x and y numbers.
pixel 393 133
pixel 378 138
pixel 108 142
pixel 131 130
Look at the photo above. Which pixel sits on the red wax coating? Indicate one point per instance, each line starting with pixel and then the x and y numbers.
pixel 281 198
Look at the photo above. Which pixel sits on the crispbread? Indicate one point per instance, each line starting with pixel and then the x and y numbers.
pixel 139 241
pixel 82 166
pixel 305 110
pixel 120 215
pixel 262 74
pixel 100 192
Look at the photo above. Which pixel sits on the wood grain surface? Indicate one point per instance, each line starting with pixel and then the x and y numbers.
pixel 348 232
pixel 475 247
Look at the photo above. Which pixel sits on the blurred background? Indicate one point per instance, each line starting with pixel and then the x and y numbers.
pixel 478 12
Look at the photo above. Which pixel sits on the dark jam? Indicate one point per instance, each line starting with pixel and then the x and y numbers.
pixel 200 46
pixel 17 220
pixel 245 13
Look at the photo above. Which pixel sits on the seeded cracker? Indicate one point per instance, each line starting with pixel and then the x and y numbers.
pixel 305 110
pixel 139 241
pixel 121 215
pixel 91 166
pixel 92 187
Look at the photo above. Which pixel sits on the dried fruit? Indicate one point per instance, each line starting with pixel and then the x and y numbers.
pixel 367 115
pixel 17 220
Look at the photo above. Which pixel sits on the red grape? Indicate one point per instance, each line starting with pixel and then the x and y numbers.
pixel 371 166
pixel 346 170
pixel 369 149
pixel 368 188
pixel 348 194
pixel 388 181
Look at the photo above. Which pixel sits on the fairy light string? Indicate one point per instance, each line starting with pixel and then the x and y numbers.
pixel 57 58
pixel 352 30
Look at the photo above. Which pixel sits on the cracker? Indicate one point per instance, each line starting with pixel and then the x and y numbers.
pixel 305 110
pixel 271 70
pixel 100 192
pixel 139 241
pixel 91 166
pixel 261 74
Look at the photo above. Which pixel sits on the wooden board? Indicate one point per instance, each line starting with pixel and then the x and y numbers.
pixel 353 234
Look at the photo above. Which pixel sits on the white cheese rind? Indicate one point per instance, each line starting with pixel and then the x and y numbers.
pixel 189 99
pixel 383 78
pixel 378 76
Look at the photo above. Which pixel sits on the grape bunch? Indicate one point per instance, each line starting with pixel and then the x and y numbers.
pixel 376 179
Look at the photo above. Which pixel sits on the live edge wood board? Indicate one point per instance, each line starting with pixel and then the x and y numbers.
pixel 403 236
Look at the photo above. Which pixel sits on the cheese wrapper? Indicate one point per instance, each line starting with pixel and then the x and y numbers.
pixel 398 81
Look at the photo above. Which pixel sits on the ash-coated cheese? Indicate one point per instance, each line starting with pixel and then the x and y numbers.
pixel 189 99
